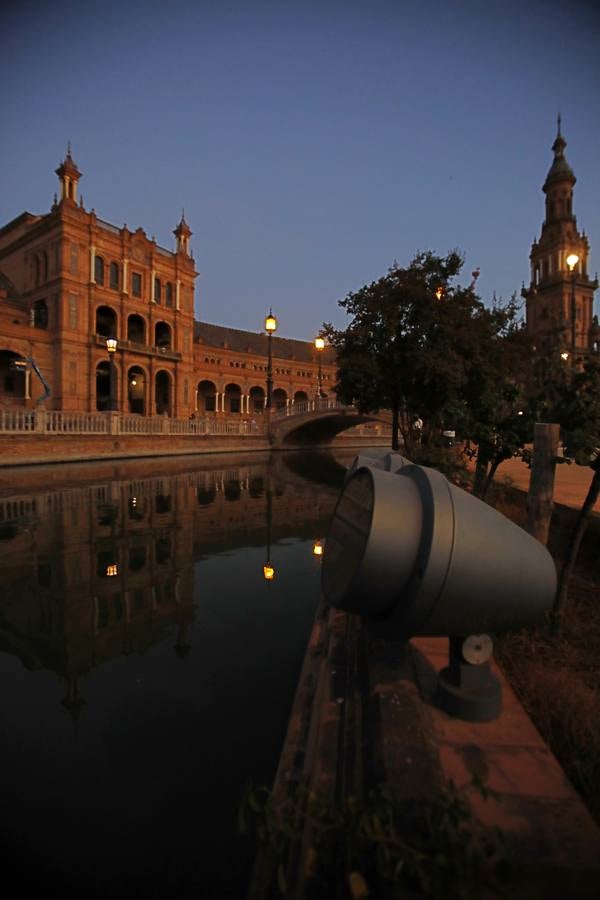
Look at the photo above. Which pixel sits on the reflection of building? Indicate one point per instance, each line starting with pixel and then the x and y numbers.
pixel 107 568
pixel 69 280
pixel 560 302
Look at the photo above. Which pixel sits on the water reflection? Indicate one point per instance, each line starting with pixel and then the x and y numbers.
pixel 112 582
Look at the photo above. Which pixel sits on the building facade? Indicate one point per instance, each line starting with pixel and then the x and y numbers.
pixel 560 296
pixel 69 281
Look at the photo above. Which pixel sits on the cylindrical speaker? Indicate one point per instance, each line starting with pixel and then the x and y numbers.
pixel 430 558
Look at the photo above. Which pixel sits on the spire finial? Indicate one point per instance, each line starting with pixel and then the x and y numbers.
pixel 558 121
pixel 68 148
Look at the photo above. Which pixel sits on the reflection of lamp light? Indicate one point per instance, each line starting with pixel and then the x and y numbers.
pixel 112 570
pixel 133 382
pixel 133 501
pixel 564 355
pixel 268 568
pixel 317 548
pixel 439 293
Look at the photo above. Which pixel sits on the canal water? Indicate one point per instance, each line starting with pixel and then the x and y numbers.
pixel 148 667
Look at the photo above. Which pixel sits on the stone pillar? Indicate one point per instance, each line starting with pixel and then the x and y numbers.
pixel 115 422
pixel 40 420
pixel 125 275
pixel 92 264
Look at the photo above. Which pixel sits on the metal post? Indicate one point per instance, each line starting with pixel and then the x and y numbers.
pixel 269 373
pixel 112 384
pixel 320 376
pixel 573 277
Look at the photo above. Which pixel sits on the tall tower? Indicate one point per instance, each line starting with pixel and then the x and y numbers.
pixel 560 297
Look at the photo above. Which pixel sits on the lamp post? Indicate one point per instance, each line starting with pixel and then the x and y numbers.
pixel 572 260
pixel 320 346
pixel 111 346
pixel 270 328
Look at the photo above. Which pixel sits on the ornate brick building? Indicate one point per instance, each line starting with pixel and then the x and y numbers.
pixel 560 296
pixel 69 281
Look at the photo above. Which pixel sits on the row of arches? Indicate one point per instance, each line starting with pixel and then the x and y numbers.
pixel 137 329
pixel 233 400
pixel 138 395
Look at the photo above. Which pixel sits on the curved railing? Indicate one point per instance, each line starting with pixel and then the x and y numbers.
pixel 321 404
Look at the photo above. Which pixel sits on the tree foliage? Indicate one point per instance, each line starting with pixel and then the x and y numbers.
pixel 421 345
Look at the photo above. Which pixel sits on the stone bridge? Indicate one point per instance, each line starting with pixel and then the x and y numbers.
pixel 316 422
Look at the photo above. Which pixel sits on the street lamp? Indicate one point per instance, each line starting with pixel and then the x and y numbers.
pixel 320 346
pixel 270 328
pixel 111 346
pixel 572 260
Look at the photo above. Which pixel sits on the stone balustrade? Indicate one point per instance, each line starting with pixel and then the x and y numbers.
pixel 42 421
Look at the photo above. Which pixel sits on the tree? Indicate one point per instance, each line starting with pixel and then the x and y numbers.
pixel 413 346
pixel 570 395
pixel 498 415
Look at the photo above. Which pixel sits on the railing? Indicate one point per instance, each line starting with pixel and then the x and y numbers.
pixel 58 422
pixel 143 424
pixel 108 227
pixel 17 420
pixel 41 421
pixel 307 406
pixel 147 349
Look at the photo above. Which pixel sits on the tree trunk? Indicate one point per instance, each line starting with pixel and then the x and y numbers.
pixel 395 425
pixel 481 467
pixel 573 549
pixel 490 476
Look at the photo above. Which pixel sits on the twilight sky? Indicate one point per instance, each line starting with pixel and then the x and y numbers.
pixel 311 143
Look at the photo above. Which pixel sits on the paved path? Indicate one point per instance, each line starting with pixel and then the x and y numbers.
pixel 570 486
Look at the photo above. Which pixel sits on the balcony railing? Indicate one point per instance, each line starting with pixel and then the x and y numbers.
pixel 146 349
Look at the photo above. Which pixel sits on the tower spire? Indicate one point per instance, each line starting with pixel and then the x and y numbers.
pixel 68 176
pixel 183 234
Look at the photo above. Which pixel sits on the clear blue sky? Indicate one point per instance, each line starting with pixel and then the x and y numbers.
pixel 311 144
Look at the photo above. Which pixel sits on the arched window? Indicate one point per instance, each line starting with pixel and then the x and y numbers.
pixel 168 294
pixel 162 393
pixel 136 329
pixel 157 290
pixel 233 398
pixel 99 270
pixel 136 390
pixel 257 399
pixel 206 397
pixel 279 399
pixel 106 322
pixel 114 276
pixel 162 336
pixel 40 314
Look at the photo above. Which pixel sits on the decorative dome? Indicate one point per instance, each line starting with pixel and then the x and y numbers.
pixel 560 170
